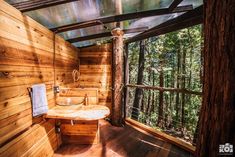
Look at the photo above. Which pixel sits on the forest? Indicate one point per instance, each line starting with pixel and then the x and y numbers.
pixel 165 82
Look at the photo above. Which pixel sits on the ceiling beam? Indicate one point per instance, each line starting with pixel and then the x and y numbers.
pixel 188 19
pixel 90 37
pixel 119 18
pixel 106 34
pixel 34 5
pixel 174 4
pixel 29 3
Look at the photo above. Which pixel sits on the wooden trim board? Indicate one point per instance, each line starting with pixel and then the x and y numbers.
pixel 160 134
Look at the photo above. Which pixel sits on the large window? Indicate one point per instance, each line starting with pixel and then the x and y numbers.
pixel 165 77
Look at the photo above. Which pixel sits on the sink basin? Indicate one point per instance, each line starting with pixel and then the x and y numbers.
pixel 78 112
pixel 67 109
pixel 67 101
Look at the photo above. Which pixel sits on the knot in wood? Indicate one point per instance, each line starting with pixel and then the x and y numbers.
pixel 116 32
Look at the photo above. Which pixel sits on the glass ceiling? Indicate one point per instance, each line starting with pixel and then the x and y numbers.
pixel 83 10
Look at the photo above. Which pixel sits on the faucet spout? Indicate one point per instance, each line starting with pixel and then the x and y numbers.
pixel 86 100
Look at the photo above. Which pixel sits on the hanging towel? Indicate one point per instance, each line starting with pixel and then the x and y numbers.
pixel 39 99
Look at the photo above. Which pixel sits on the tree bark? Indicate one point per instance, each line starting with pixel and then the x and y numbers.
pixel 190 66
pixel 139 92
pixel 166 114
pixel 149 102
pixel 149 96
pixel 177 99
pixel 183 94
pixel 160 107
pixel 153 95
pixel 126 81
pixel 217 116
pixel 117 80
pixel 143 103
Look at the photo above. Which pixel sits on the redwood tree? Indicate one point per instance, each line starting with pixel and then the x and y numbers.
pixel 140 79
pixel 160 107
pixel 217 116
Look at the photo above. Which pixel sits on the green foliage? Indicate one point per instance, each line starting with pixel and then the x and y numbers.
pixel 178 55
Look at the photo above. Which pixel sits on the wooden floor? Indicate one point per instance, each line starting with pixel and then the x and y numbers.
pixel 123 141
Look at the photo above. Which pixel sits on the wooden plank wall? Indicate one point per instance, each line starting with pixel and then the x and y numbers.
pixel 82 132
pixel 26 58
pixel 78 95
pixel 96 71
pixel 66 60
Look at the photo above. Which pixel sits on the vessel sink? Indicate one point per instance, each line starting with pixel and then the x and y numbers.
pixel 78 112
pixel 67 109
pixel 67 101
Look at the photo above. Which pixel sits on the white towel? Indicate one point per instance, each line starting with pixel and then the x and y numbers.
pixel 39 99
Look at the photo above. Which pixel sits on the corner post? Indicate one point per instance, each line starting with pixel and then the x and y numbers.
pixel 117 77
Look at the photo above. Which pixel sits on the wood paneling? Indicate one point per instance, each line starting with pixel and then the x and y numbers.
pixel 29 56
pixel 96 71
pixel 79 94
pixel 81 132
pixel 38 140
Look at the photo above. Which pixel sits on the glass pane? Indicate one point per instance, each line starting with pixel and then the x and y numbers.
pixel 130 24
pixel 195 3
pixel 87 31
pixel 66 13
pixel 87 10
pixel 92 42
pixel 80 11
pixel 149 21
pixel 141 5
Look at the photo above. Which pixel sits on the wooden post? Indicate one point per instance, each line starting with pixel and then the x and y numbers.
pixel 117 76
pixel 118 10
pixel 117 69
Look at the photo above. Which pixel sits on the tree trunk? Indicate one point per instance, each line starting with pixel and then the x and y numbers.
pixel 139 92
pixel 160 107
pixel 153 95
pixel 190 66
pixel 172 95
pixel 149 102
pixel 217 116
pixel 183 94
pixel 166 122
pixel 142 103
pixel 177 100
pixel 202 55
pixel 166 104
pixel 117 66
pixel 149 95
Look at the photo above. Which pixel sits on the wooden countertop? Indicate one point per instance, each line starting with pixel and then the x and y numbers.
pixel 78 112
